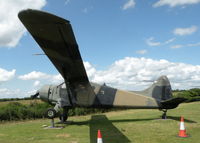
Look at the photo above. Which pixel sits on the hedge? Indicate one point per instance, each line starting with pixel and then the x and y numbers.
pixel 17 111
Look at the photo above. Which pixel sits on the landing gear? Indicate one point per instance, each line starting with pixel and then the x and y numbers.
pixel 164 115
pixel 64 116
pixel 51 113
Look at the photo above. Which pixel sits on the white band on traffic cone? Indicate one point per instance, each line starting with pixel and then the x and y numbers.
pixel 99 140
pixel 182 127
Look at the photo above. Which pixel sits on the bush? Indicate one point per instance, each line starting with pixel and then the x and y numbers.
pixel 191 95
pixel 18 111
pixel 13 111
pixel 37 110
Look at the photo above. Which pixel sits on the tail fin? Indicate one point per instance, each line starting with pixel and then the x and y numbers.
pixel 160 89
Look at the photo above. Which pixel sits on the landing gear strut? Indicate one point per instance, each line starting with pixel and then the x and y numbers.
pixel 52 123
pixel 51 114
pixel 164 115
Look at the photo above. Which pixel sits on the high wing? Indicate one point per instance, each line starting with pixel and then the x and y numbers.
pixel 57 40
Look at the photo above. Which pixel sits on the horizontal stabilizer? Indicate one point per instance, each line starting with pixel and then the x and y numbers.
pixel 172 102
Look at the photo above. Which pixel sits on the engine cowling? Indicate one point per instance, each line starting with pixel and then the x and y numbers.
pixel 54 95
pixel 44 93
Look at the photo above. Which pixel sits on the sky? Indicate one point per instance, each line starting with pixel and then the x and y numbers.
pixel 126 44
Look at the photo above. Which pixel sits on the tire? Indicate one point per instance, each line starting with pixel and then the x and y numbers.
pixel 51 113
pixel 63 117
pixel 164 116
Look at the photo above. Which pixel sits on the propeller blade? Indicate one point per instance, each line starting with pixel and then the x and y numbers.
pixel 35 95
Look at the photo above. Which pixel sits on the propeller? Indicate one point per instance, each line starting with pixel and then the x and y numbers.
pixel 35 95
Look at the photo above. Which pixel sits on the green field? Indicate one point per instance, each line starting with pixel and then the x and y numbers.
pixel 129 126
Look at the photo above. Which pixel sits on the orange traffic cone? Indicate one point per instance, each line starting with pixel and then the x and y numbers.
pixel 99 137
pixel 182 131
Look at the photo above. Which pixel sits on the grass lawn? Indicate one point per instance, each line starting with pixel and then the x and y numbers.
pixel 129 126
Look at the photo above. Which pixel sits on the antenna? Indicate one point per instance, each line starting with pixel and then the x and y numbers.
pixel 38 54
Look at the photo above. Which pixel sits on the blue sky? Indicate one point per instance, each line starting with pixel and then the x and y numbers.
pixel 122 43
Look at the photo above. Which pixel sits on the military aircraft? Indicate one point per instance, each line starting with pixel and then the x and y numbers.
pixel 56 38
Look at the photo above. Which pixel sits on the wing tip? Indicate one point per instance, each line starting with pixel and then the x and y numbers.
pixel 31 13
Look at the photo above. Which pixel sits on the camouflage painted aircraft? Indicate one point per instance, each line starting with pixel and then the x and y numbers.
pixel 56 38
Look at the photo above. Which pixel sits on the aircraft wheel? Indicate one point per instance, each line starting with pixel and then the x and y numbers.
pixel 164 116
pixel 51 113
pixel 63 117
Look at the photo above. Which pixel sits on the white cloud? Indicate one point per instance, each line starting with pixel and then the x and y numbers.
pixel 11 29
pixel 141 52
pixel 33 76
pixel 186 45
pixel 36 83
pixel 31 92
pixel 129 4
pixel 8 93
pixel 176 46
pixel 6 75
pixel 173 3
pixel 169 41
pixel 194 45
pixel 41 77
pixel 185 31
pixel 131 73
pixel 90 69
pixel 150 42
pixel 56 78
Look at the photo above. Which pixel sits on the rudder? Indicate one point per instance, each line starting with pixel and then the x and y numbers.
pixel 160 89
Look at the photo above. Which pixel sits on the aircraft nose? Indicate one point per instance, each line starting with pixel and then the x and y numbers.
pixel 44 92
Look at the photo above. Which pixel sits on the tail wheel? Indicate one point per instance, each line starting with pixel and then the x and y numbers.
pixel 51 113
pixel 164 115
